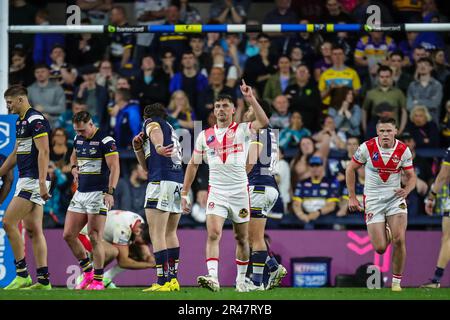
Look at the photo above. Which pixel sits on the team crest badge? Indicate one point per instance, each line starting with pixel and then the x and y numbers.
pixel 375 156
pixel 402 206
pixel 211 205
pixel 369 216
pixel 230 134
pixel 243 213
pixel 395 159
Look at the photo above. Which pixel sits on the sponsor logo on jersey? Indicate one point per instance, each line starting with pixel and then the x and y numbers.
pixel 79 142
pixel 395 159
pixel 38 126
pixel 92 151
pixel 243 213
pixel 94 143
pixel 210 139
pixel 375 156
pixel 231 149
pixel 402 206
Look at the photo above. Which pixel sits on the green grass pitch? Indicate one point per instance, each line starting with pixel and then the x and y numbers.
pixel 192 293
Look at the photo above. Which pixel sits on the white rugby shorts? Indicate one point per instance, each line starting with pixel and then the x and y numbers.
pixel 262 200
pixel 88 202
pixel 377 208
pixel 229 204
pixel 28 188
pixel 164 195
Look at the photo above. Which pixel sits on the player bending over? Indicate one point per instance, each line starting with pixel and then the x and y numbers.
pixel 384 199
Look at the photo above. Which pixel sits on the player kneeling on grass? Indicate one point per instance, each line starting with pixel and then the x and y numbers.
pixel 262 158
pixel 384 199
pixel 126 240
pixel 95 167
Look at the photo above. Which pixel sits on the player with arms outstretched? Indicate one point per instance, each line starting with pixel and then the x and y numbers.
pixel 158 151
pixel 384 199
pixel 32 155
pixel 225 148
pixel 444 253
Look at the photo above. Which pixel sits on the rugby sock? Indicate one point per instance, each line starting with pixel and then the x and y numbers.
pixel 396 278
pixel 173 255
pixel 42 275
pixel 241 270
pixel 213 267
pixel 438 274
pixel 98 275
pixel 85 265
pixel 113 272
pixel 272 263
pixel 21 268
pixel 258 259
pixel 161 266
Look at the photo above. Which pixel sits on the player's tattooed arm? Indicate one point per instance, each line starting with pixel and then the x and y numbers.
pixel 10 162
pixel 262 121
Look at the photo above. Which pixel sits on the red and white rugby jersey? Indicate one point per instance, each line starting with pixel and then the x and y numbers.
pixel 225 150
pixel 383 166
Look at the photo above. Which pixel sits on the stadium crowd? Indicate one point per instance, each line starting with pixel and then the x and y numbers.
pixel 327 91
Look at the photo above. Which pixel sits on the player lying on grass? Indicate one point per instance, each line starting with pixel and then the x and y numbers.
pixel 126 239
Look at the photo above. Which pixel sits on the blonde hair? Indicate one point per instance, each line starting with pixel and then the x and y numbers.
pixel 420 108
pixel 187 106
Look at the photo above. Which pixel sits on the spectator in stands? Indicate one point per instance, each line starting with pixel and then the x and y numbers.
pixel 373 49
pixel 188 13
pixel 228 11
pixel 339 75
pixel 168 62
pixel 360 13
pixel 317 195
pixel 407 11
pixel 131 190
pixel 197 44
pixel 430 40
pixel 96 11
pixel 406 47
pixel 95 96
pixel 148 12
pixel 55 207
pixel 107 78
pixel 177 42
pixel 417 54
pixel 338 138
pixel 121 47
pixel 21 13
pixel 20 71
pixel 296 56
pixel 383 110
pixel 85 48
pixel 125 119
pixel 385 92
pixel 291 136
pixel 218 60
pixel 212 37
pixel 280 116
pixel 250 42
pixel 60 150
pixel 422 165
pixel 44 42
pixel 334 13
pixel 445 127
pixel 258 68
pixel 345 112
pixel 441 70
pixel 336 167
pixel 304 97
pixel 359 191
pixel 347 41
pixel 199 207
pixel 401 78
pixel 282 14
pixel 299 164
pixel 278 82
pixel 233 53
pixel 65 120
pixel 62 72
pixel 425 90
pixel 306 41
pixel 189 79
pixel 282 173
pixel 181 111
pixel 421 127
pixel 46 95
pixel 324 62
pixel 150 85
pixel 215 88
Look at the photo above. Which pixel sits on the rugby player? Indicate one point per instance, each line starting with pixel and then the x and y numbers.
pixel 384 199
pixel 263 195
pixel 444 253
pixel 31 153
pixel 225 148
pixel 126 240
pixel 96 169
pixel 158 151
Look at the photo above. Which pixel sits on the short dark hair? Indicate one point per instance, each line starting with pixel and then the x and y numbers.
pixel 337 46
pixel 397 53
pixel 382 68
pixel 120 8
pixel 189 52
pixel 82 116
pixel 428 60
pixel 41 66
pixel 155 110
pixel 58 45
pixel 284 56
pixel 15 91
pixel 18 52
pixel 224 97
pixel 196 36
pixel 125 93
pixel 387 120
pixel 262 35
pixel 145 234
pixel 79 101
